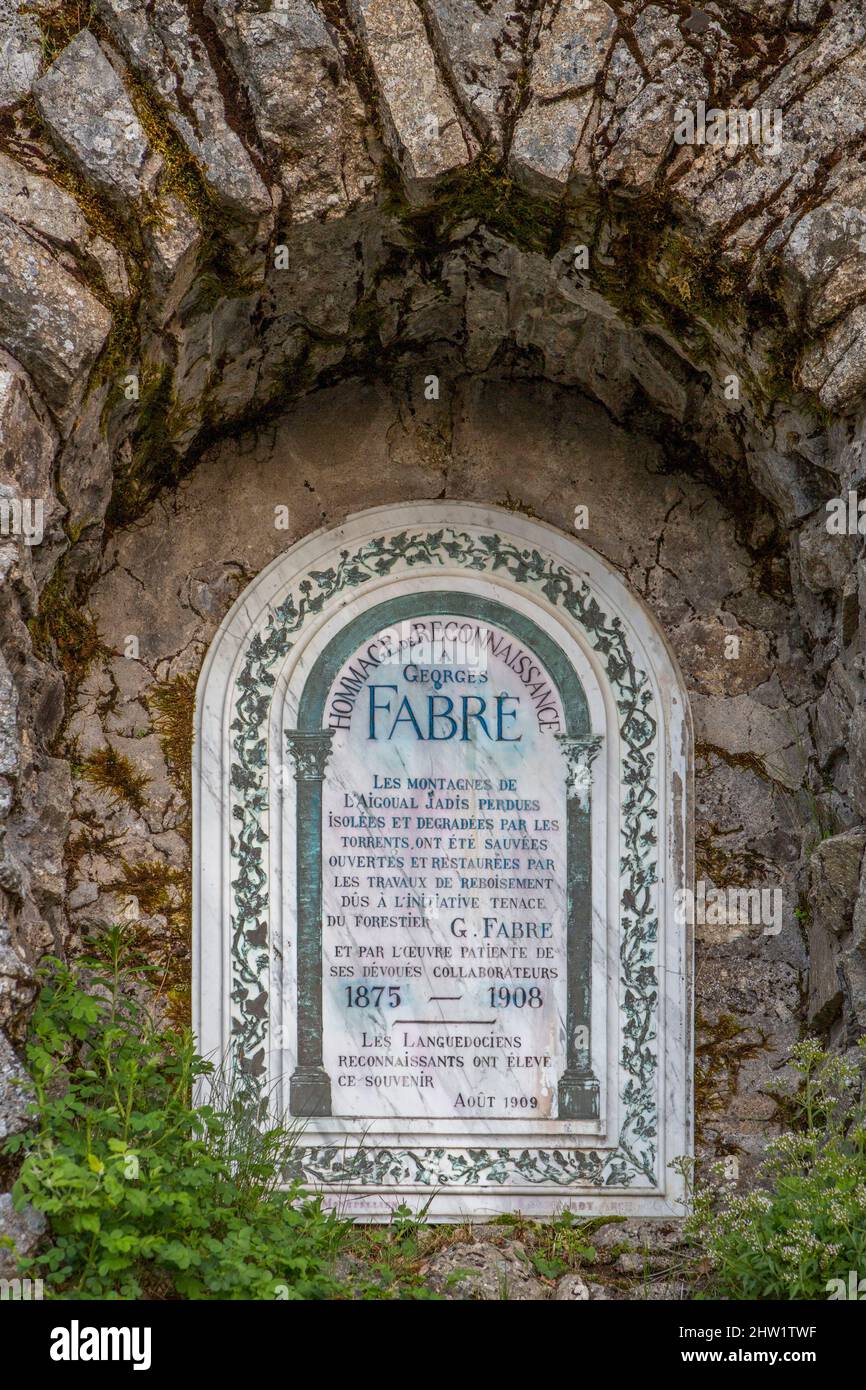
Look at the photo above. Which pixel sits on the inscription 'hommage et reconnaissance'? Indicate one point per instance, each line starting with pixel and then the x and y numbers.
pixel 420 650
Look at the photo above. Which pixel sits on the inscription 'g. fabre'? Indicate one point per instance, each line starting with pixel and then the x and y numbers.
pixel 442 754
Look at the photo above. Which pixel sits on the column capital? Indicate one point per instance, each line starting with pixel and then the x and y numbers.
pixel 580 751
pixel 310 750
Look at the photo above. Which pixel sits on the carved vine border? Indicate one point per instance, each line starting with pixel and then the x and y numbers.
pixel 634 1159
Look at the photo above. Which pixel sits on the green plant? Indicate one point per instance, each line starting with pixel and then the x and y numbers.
pixel 63 629
pixel 146 1193
pixel 172 704
pixel 115 774
pixel 722 1047
pixel 154 462
pixel 163 893
pixel 482 191
pixel 806 1224
pixel 59 25
pixel 393 1252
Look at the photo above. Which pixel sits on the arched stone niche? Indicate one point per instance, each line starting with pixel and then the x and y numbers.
pixel 441 816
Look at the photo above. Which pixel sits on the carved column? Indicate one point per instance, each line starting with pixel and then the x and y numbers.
pixel 578 1086
pixel 310 1091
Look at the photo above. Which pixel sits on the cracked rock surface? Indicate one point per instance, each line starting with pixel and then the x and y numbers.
pixel 237 240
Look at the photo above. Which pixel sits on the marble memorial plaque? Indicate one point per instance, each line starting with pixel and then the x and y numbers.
pixel 441 817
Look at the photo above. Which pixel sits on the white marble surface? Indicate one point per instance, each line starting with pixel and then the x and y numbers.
pixel 398 1055
pixel 523 1126
pixel 398 1122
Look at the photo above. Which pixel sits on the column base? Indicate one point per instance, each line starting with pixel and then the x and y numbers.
pixel 578 1096
pixel 310 1092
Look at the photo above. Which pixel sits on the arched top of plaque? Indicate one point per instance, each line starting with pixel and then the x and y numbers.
pixel 435 886
pixel 450 604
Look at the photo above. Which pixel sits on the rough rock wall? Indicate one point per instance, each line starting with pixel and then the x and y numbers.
pixel 210 210
pixel 167 582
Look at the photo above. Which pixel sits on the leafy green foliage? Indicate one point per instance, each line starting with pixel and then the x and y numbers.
pixel 147 1194
pixel 392 1254
pixel 807 1225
